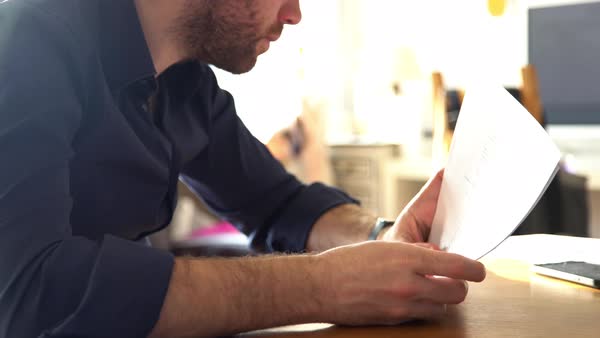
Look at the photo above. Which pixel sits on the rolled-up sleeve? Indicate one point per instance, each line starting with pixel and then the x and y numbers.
pixel 241 181
pixel 52 283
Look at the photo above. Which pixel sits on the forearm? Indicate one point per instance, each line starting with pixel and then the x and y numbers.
pixel 215 297
pixel 343 225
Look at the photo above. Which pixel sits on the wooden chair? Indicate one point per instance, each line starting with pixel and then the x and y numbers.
pixel 442 134
pixel 530 93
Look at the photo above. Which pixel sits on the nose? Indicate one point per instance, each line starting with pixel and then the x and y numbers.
pixel 290 13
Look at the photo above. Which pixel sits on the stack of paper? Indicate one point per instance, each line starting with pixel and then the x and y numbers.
pixel 500 163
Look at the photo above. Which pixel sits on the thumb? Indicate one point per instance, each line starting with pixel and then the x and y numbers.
pixel 430 190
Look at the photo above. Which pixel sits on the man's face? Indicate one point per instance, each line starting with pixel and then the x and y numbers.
pixel 231 34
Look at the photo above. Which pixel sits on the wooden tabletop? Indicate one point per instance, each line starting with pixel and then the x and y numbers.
pixel 511 302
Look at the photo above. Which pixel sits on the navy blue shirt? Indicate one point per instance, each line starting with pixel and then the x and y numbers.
pixel 92 145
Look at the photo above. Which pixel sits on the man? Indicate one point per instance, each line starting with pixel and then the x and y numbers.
pixel 103 106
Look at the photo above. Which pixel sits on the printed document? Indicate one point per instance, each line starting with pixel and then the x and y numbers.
pixel 500 163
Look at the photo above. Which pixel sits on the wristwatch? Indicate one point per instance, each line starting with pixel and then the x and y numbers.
pixel 380 224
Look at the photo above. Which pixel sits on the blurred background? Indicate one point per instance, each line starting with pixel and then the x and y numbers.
pixel 363 94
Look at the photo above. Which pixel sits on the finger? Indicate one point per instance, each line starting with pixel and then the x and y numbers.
pixel 430 190
pixel 424 245
pixel 425 310
pixel 444 290
pixel 429 246
pixel 439 263
pixel 433 185
pixel 441 172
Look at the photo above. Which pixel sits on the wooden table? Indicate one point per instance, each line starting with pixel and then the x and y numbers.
pixel 511 302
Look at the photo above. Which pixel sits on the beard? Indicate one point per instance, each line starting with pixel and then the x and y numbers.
pixel 224 33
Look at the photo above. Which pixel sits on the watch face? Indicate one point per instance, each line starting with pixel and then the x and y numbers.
pixel 384 222
pixel 379 225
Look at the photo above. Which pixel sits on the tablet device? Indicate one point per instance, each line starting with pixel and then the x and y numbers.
pixel 578 272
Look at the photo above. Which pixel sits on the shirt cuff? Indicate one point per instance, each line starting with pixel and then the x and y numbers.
pixel 126 292
pixel 291 230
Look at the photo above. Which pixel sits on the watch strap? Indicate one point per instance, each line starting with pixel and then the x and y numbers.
pixel 380 224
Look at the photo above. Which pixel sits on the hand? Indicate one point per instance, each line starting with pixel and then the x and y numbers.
pixel 387 283
pixel 414 223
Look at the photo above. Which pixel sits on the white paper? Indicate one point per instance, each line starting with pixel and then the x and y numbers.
pixel 501 161
pixel 543 248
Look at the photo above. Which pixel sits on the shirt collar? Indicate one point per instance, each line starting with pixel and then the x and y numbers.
pixel 123 49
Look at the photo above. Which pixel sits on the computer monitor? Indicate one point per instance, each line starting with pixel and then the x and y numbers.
pixel 564 46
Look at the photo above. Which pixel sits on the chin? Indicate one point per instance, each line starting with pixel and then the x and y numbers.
pixel 240 67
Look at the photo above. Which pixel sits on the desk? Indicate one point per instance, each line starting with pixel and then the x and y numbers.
pixel 511 302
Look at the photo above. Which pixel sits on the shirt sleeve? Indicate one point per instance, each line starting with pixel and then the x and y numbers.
pixel 241 181
pixel 52 283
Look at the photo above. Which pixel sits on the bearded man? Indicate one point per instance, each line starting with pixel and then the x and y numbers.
pixel 104 106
